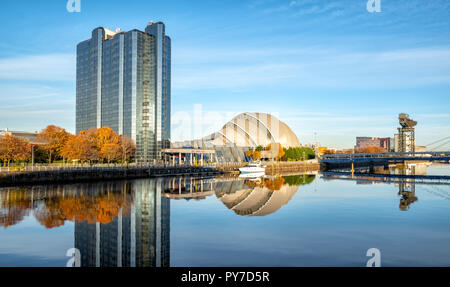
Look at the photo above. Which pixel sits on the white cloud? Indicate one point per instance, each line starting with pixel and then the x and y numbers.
pixel 311 68
pixel 50 67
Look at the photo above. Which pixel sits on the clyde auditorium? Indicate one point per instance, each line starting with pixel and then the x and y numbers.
pixel 242 133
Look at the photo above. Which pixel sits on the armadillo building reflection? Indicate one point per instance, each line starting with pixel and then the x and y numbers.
pixel 246 197
pixel 138 236
pixel 261 197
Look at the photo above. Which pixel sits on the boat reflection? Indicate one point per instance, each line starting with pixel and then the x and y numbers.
pixel 246 197
pixel 127 223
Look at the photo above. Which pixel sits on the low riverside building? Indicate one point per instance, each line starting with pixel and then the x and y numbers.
pixel 244 132
pixel 29 136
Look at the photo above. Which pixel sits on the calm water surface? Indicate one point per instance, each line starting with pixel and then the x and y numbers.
pixel 302 220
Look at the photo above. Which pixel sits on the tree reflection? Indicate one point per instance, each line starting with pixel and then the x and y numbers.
pixel 52 206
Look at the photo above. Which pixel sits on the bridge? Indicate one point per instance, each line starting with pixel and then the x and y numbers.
pixel 387 178
pixel 353 160
pixel 406 183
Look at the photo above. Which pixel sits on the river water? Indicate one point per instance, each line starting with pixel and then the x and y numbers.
pixel 295 220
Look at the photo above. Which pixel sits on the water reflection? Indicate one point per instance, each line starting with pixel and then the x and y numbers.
pixel 137 236
pixel 127 223
pixel 407 186
pixel 116 223
pixel 249 197
pixel 405 177
pixel 261 197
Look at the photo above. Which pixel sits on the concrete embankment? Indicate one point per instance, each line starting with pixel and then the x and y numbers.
pixel 273 168
pixel 292 167
pixel 99 174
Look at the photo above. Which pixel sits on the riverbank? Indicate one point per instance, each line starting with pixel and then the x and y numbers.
pixel 79 174
pixel 292 167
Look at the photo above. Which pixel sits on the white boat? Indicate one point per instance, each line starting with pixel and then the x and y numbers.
pixel 253 168
pixel 252 176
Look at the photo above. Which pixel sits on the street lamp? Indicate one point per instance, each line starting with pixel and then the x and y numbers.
pixel 32 155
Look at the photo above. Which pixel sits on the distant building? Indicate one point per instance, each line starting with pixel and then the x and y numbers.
pixel 421 148
pixel 29 136
pixel 123 82
pixel 364 142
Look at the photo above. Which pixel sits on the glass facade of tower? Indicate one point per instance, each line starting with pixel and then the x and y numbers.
pixel 123 82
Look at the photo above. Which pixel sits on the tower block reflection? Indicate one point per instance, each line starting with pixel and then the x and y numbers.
pixel 139 236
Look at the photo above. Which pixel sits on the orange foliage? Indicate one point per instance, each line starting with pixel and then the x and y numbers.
pixel 80 147
pixel 92 144
pixel 14 149
pixel 101 143
pixel 55 139
pixel 274 184
pixel 14 208
pixel 57 210
pixel 277 147
pixel 101 209
pixel 106 135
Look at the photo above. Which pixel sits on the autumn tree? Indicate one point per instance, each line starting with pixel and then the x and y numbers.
pixel 80 147
pixel 111 151
pixel 127 148
pixel 255 155
pixel 106 135
pixel 99 144
pixel 276 150
pixel 55 138
pixel 14 149
pixel 108 144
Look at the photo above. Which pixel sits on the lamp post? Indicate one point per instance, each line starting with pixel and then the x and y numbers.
pixel 32 155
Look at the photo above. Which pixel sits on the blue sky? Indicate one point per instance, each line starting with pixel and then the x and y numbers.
pixel 325 67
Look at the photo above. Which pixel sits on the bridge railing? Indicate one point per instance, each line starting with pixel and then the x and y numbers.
pixel 385 155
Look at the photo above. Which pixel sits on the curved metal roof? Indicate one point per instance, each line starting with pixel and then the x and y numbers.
pixel 253 129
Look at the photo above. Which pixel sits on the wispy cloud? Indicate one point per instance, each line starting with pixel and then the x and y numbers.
pixel 31 107
pixel 51 67
pixel 314 67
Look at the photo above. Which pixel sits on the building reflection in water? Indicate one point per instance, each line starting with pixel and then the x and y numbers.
pixel 258 197
pixel 403 176
pixel 127 223
pixel 124 223
pixel 407 186
pixel 138 236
